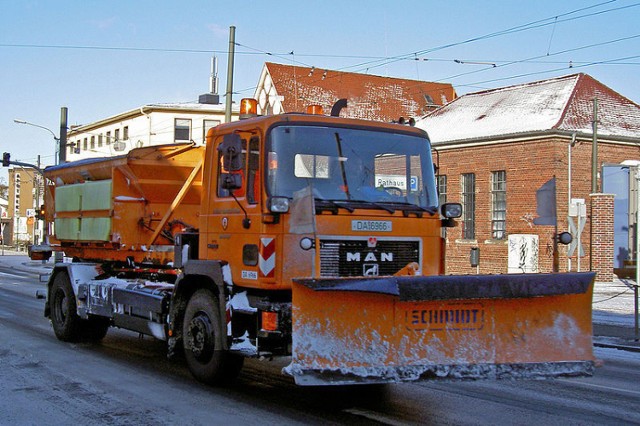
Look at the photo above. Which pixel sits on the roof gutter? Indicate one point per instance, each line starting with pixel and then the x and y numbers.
pixel 531 136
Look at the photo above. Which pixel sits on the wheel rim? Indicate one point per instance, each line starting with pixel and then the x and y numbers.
pixel 61 306
pixel 200 337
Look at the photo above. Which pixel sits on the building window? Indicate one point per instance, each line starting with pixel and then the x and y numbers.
pixel 125 133
pixel 442 189
pixel 108 138
pixel 182 129
pixel 468 206
pixel 208 124
pixel 85 144
pixel 93 142
pixel 116 135
pixel 499 205
pixel 100 140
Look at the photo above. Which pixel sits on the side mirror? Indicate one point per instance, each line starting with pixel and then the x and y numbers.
pixel 231 151
pixel 451 210
pixel 231 181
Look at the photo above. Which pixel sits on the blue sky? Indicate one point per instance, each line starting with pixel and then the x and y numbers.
pixel 100 58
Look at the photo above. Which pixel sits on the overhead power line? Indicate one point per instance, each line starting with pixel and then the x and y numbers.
pixel 553 20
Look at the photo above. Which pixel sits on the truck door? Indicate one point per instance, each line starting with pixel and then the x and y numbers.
pixel 234 213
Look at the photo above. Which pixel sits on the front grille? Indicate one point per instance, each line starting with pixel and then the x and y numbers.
pixel 352 258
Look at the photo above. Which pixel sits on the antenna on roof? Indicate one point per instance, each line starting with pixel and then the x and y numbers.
pixel 212 97
pixel 213 84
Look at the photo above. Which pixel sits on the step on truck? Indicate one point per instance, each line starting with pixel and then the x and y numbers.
pixel 307 236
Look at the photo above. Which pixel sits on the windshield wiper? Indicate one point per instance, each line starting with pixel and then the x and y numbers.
pixel 388 206
pixel 334 205
pixel 414 207
pixel 352 205
pixel 376 204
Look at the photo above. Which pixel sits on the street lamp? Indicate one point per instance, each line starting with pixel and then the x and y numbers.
pixel 57 139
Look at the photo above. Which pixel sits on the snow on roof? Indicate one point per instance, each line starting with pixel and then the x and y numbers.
pixel 563 104
pixel 370 97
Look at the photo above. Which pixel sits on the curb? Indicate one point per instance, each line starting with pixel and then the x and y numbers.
pixel 619 347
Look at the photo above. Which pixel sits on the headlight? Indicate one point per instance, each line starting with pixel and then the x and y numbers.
pixel 307 243
pixel 278 204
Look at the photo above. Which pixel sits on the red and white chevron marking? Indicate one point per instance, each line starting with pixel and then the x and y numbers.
pixel 267 259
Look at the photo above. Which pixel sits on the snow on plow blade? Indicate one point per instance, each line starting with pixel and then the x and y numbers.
pixel 394 329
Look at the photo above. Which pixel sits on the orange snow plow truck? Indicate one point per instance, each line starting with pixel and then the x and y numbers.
pixel 307 236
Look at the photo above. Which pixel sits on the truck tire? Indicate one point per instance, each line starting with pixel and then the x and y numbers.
pixel 67 325
pixel 208 362
pixel 94 329
pixel 64 316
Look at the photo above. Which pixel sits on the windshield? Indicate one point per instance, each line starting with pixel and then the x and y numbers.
pixel 353 165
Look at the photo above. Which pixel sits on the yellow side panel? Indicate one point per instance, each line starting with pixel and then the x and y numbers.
pixel 68 198
pixel 88 199
pixel 67 228
pixel 96 195
pixel 84 196
pixel 95 229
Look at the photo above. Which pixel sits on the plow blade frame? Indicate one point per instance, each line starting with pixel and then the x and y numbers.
pixel 394 329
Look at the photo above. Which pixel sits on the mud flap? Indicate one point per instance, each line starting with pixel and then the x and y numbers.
pixel 393 329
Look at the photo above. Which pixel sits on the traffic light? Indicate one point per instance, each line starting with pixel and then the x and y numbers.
pixel 6 159
pixel 40 213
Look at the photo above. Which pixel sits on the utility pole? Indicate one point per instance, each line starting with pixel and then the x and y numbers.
pixel 229 94
pixel 62 143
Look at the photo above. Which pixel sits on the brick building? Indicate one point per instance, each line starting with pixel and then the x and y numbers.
pixel 496 148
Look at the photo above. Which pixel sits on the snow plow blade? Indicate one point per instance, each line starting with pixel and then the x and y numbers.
pixel 395 329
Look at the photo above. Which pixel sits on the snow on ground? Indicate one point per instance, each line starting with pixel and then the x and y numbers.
pixel 613 303
pixel 616 354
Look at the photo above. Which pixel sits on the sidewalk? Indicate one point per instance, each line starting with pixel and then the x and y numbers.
pixel 613 303
pixel 614 314
pixel 20 261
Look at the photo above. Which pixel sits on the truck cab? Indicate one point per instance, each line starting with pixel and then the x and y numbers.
pixel 299 195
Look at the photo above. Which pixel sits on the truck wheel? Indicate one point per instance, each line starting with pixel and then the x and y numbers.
pixel 64 315
pixel 67 325
pixel 207 360
pixel 94 329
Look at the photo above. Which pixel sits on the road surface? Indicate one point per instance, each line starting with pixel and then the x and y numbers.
pixel 126 380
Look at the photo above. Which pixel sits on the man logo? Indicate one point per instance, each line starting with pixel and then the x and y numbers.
pixel 372 242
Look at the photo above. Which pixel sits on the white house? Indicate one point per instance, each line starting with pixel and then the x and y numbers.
pixel 153 124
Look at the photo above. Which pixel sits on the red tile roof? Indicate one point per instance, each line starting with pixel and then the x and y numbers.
pixel 369 97
pixel 562 104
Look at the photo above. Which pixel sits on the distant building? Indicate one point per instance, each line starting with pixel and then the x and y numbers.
pixel 496 148
pixel 4 206
pixel 289 88
pixel 5 223
pixel 20 226
pixel 153 124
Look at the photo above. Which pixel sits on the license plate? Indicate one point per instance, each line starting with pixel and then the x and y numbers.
pixel 371 225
